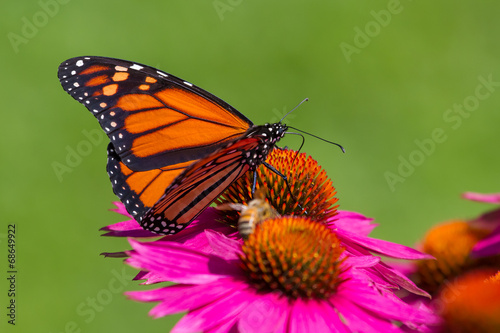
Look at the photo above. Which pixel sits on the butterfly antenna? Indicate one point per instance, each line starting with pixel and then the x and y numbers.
pixel 317 137
pixel 304 100
pixel 301 145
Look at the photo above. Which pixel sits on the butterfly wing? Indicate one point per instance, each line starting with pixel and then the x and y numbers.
pixel 140 190
pixel 152 118
pixel 200 184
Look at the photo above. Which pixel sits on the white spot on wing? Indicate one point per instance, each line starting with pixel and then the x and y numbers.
pixel 79 63
pixel 136 67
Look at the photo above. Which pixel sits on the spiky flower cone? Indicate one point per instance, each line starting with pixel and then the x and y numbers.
pixel 312 192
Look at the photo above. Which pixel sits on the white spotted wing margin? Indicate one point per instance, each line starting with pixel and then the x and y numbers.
pixel 139 190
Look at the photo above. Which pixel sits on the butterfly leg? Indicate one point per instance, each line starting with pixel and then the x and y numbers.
pixel 254 184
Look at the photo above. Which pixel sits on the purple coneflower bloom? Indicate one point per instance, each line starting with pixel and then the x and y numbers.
pixel 291 275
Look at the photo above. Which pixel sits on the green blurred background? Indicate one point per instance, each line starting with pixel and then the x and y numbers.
pixel 381 77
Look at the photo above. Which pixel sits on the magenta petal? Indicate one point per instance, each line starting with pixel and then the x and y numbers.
pixel 150 277
pixel 488 198
pixel 389 307
pixel 401 279
pixel 194 235
pixel 179 298
pixel 307 316
pixel 229 326
pixel 266 313
pixel 120 209
pixel 383 247
pixel 362 261
pixel 178 263
pixel 353 222
pixel 359 320
pixel 220 311
pixel 129 228
pixel 487 247
pixel 336 323
pixel 222 246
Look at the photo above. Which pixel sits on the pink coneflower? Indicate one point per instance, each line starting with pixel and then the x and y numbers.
pixel 470 303
pixel 451 244
pixel 352 229
pixel 290 275
pixel 459 246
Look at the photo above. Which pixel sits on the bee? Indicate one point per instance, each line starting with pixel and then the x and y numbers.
pixel 251 215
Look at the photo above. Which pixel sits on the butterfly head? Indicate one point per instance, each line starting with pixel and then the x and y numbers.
pixel 268 135
pixel 275 132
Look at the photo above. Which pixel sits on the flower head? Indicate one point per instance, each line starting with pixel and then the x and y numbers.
pixel 290 275
pixel 299 258
pixel 450 243
pixel 471 303
pixel 458 246
pixel 312 192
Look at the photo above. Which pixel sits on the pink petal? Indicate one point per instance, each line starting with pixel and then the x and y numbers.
pixel 222 310
pixel 230 326
pixel 129 228
pixel 222 246
pixel 382 247
pixel 307 316
pixel 353 222
pixel 359 320
pixel 178 263
pixel 120 209
pixel 192 236
pixel 404 267
pixel 400 279
pixel 330 312
pixel 488 198
pixel 362 261
pixel 266 313
pixel 179 298
pixel 487 247
pixel 150 277
pixel 389 306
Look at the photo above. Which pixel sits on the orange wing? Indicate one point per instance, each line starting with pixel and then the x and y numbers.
pixel 140 190
pixel 152 118
pixel 198 186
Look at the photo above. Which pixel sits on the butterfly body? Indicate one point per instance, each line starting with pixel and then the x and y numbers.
pixel 174 147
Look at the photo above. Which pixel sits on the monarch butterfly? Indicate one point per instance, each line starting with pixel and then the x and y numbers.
pixel 174 146
pixel 256 212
